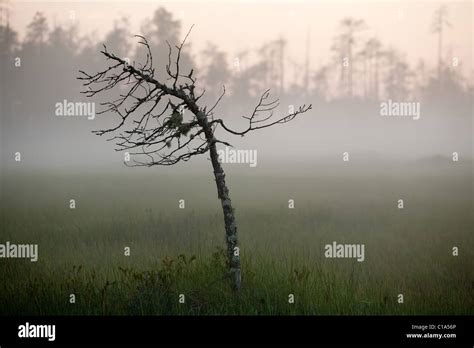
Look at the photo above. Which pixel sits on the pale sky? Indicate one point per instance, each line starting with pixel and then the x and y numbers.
pixel 238 25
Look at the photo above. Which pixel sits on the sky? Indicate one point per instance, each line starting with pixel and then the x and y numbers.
pixel 247 24
pixel 238 25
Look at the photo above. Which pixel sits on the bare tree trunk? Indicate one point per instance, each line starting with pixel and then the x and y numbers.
pixel 161 134
pixel 233 252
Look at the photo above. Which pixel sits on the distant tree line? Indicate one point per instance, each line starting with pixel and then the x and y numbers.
pixel 40 70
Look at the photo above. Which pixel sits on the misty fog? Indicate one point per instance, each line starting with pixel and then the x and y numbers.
pixel 347 99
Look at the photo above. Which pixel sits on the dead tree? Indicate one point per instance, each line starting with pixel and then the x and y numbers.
pixel 153 128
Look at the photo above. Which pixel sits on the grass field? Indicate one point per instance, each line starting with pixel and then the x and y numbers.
pixel 180 251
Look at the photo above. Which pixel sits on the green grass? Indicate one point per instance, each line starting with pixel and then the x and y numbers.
pixel 176 251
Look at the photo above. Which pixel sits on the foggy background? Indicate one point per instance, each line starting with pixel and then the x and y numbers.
pixel 406 51
pixel 296 49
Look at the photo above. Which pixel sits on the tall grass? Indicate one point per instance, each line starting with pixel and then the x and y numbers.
pixel 179 251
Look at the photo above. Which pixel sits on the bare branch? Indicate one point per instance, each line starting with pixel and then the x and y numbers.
pixel 162 137
pixel 151 113
pixel 265 107
pixel 217 102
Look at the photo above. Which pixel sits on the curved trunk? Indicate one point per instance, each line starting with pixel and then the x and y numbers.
pixel 233 252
